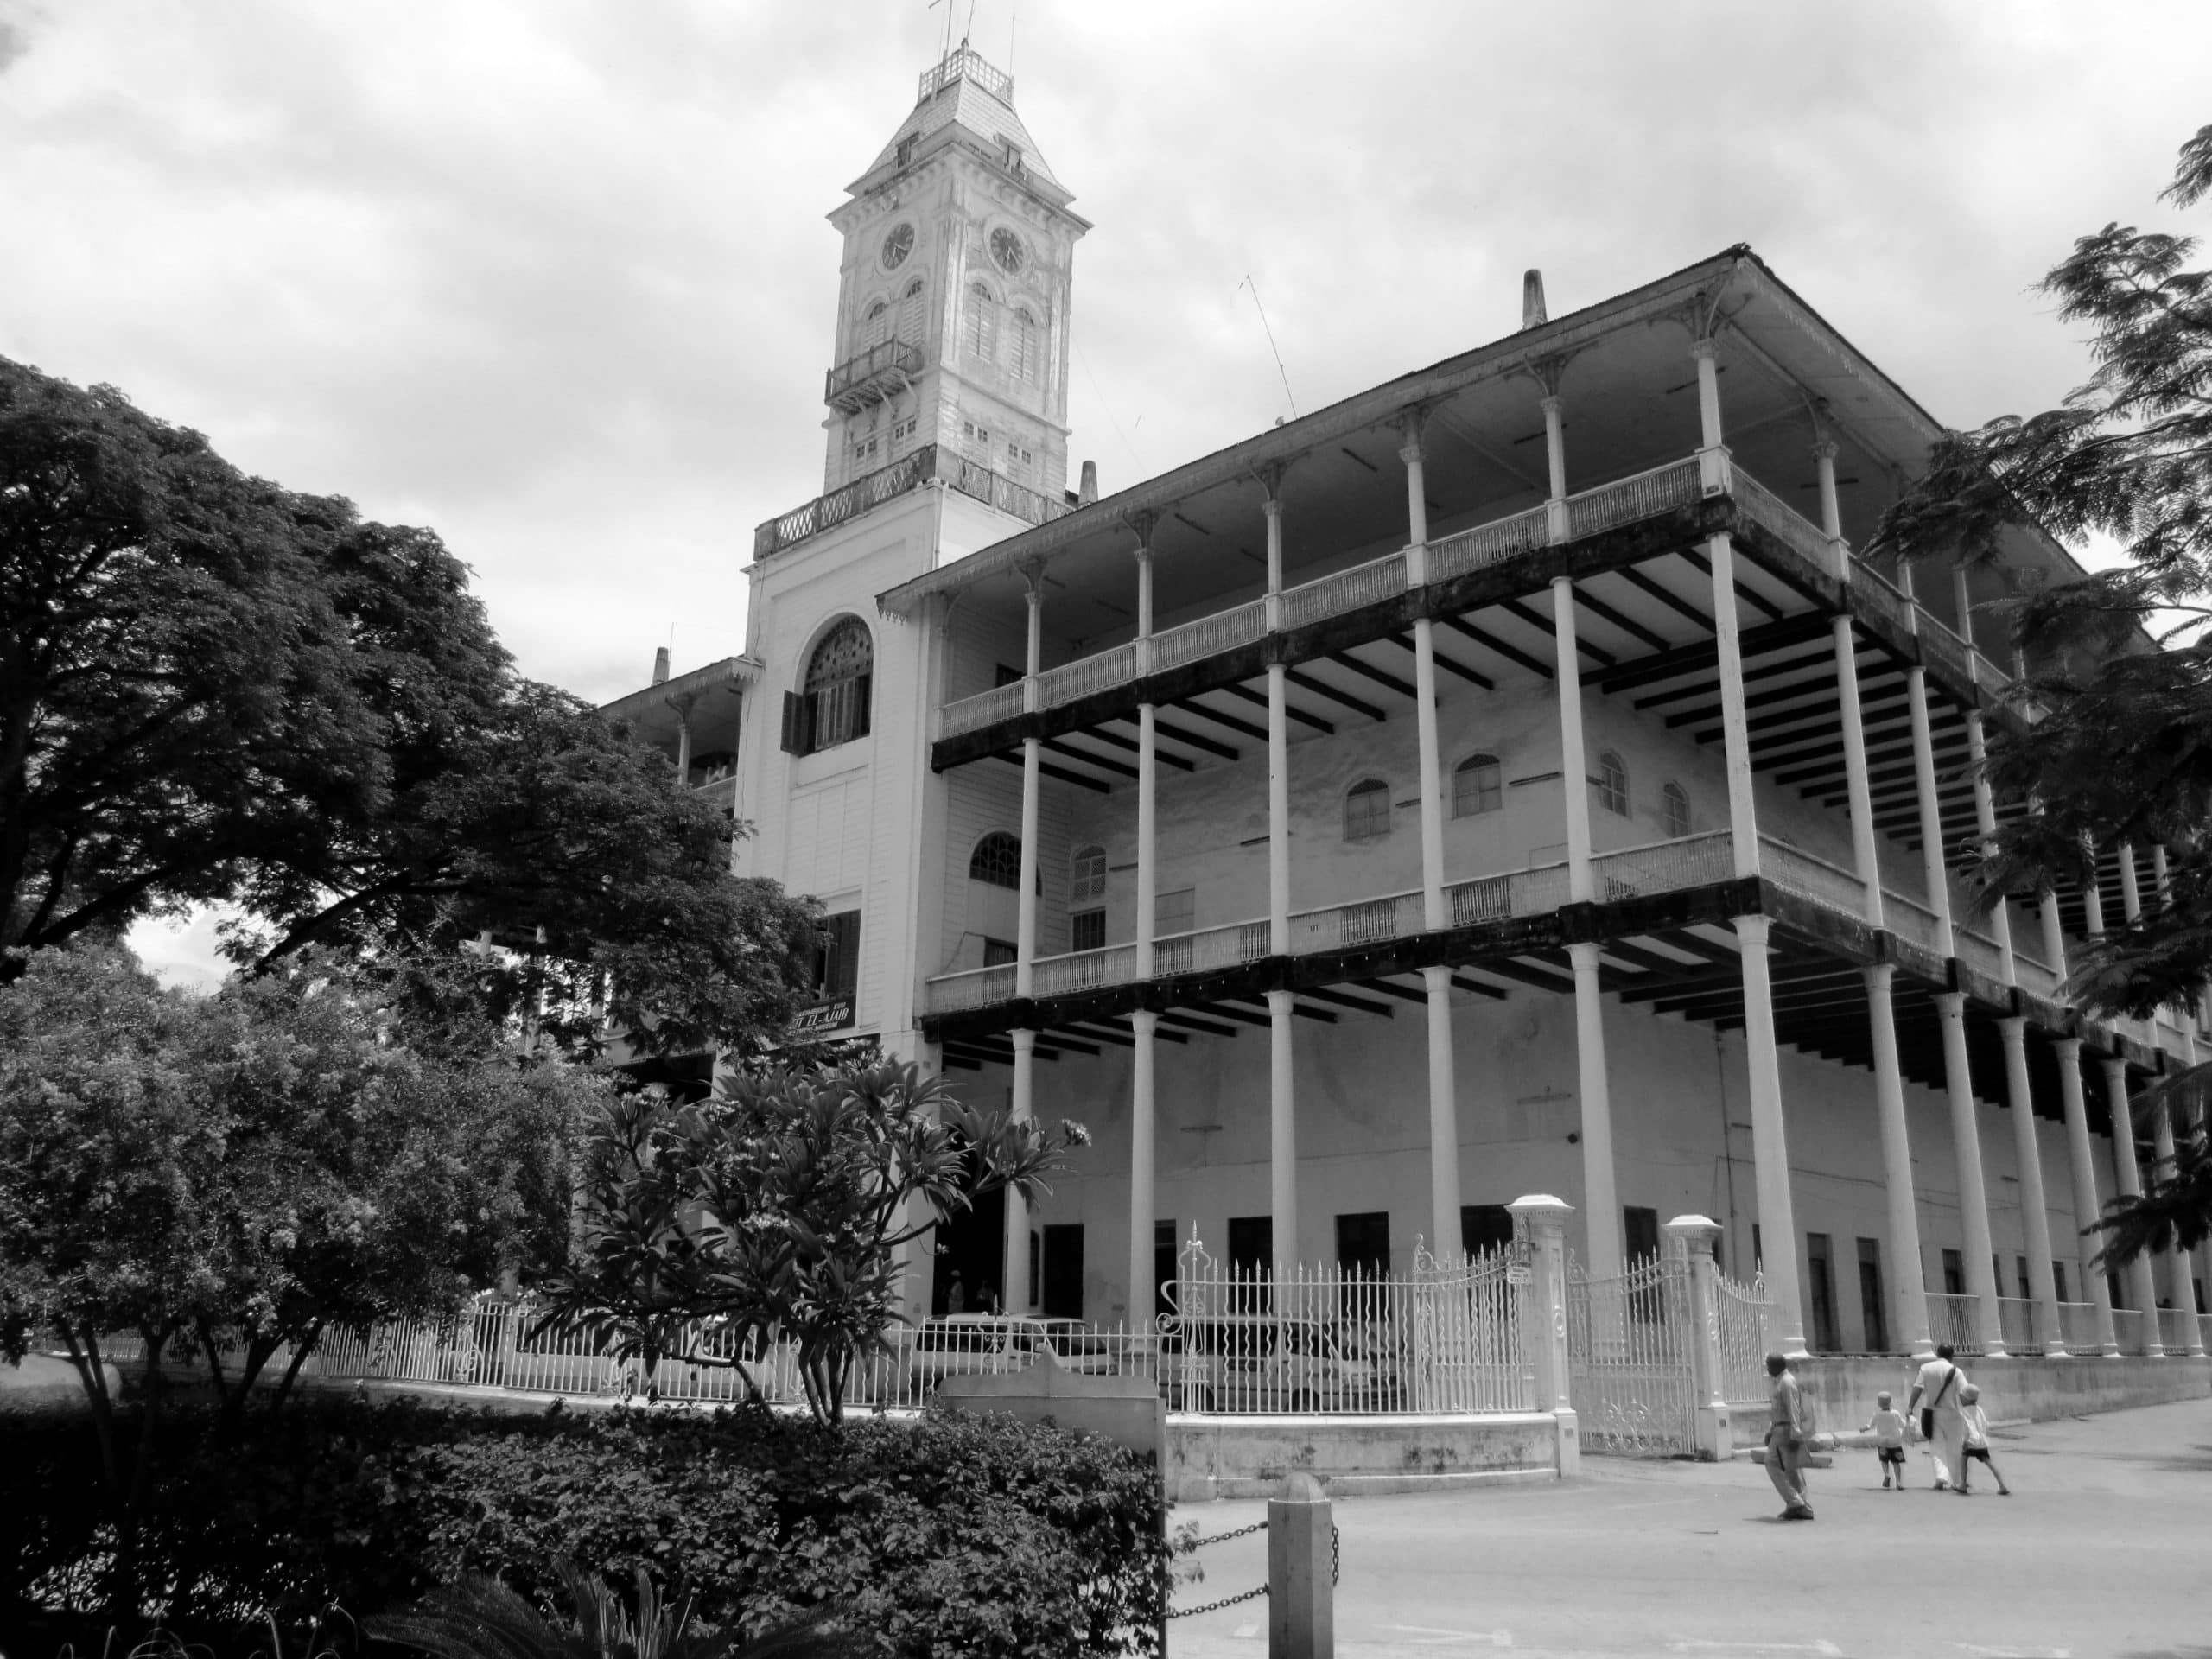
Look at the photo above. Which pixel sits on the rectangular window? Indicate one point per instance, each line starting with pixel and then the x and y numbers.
pixel 1060 1277
pixel 1008 674
pixel 1363 1242
pixel 2114 1292
pixel 1163 1272
pixel 1087 930
pixel 1821 1282
pixel 1175 913
pixel 1485 1227
pixel 1639 1232
pixel 1872 1325
pixel 1955 1274
pixel 837 958
pixel 2058 1272
pixel 1252 1257
pixel 2027 1294
pixel 999 952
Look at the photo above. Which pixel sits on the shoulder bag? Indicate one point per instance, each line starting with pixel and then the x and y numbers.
pixel 1928 1411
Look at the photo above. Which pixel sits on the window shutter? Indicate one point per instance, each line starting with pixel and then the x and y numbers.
pixel 847 928
pixel 866 684
pixel 794 723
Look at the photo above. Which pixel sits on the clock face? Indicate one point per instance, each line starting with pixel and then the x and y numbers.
pixel 897 246
pixel 1007 250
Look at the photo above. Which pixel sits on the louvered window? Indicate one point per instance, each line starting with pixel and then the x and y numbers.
pixel 910 314
pixel 979 328
pixel 1475 786
pixel 833 706
pixel 1367 810
pixel 1087 875
pixel 1613 784
pixel 1022 348
pixel 1677 803
pixel 878 327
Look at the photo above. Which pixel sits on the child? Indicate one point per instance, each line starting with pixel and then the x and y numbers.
pixel 1887 1427
pixel 1977 1449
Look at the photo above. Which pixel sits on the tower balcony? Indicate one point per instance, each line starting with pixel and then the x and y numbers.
pixel 931 464
pixel 876 376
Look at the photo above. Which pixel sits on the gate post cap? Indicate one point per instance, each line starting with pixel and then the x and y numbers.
pixel 1541 1206
pixel 1692 1227
pixel 1299 1487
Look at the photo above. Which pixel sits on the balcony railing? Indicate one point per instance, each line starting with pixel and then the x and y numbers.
pixel 2177 1328
pixel 2019 1321
pixel 2127 1329
pixel 1910 919
pixel 1815 878
pixel 1627 500
pixel 2037 977
pixel 872 375
pixel 1979 952
pixel 931 463
pixel 2077 1327
pixel 1663 867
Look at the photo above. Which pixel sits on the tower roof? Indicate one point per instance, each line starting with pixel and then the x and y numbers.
pixel 963 90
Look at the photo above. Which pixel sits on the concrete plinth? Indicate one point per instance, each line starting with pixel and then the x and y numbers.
pixel 1247 1457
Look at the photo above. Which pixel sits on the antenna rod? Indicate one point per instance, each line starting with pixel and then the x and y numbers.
pixel 1262 310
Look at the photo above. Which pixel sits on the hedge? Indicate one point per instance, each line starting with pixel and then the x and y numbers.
pixel 952 1536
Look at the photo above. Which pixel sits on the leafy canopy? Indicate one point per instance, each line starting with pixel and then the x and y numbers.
pixel 2114 744
pixel 214 689
pixel 781 1207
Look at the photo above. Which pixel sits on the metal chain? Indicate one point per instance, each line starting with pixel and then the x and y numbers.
pixel 1223 1537
pixel 1335 1556
pixel 1208 1607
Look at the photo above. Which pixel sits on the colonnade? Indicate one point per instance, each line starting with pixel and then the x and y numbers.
pixel 1907 1304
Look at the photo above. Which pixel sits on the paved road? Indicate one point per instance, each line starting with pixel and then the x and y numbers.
pixel 2104 1552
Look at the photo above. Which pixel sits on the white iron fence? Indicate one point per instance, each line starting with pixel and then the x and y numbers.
pixel 1446 1338
pixel 1631 1368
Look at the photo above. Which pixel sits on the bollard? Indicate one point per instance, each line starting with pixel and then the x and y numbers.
pixel 1301 1572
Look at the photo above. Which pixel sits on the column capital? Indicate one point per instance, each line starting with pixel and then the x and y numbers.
pixel 1824 448
pixel 1753 930
pixel 2014 1031
pixel 1411 419
pixel 2115 1070
pixel 1583 953
pixel 1552 403
pixel 2068 1049
pixel 1144 1022
pixel 1879 972
pixel 1272 506
pixel 1951 1004
pixel 1281 1003
pixel 1703 346
pixel 1141 524
pixel 1025 1042
pixel 1436 979
pixel 1410 454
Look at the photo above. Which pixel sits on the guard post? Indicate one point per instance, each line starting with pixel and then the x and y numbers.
pixel 1301 1572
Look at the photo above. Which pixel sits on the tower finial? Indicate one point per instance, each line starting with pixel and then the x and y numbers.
pixel 1533 315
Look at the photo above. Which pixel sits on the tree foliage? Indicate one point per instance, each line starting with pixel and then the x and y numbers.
pixel 2114 744
pixel 231 1176
pixel 781 1207
pixel 213 688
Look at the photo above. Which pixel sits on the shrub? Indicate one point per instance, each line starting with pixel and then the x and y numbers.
pixel 954 1535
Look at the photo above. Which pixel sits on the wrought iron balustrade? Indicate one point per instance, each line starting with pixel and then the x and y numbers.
pixel 1347 590
pixel 1955 1319
pixel 1800 872
pixel 869 377
pixel 931 463
pixel 1663 867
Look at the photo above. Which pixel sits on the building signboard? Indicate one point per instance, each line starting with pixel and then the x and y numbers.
pixel 835 1015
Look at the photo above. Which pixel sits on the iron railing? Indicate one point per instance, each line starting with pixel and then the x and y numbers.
pixel 965 63
pixel 2177 1328
pixel 2078 1328
pixel 1910 919
pixel 1743 1312
pixel 850 383
pixel 2127 1329
pixel 1641 495
pixel 1978 951
pixel 1500 542
pixel 931 463
pixel 1955 1319
pixel 1815 878
pixel 1631 1369
pixel 1347 590
pixel 1663 867
pixel 1447 1337
pixel 1208 636
pixel 1881 595
pixel 984 708
pixel 2019 1321
pixel 1770 512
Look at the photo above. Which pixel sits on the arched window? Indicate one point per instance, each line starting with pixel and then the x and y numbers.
pixel 1475 786
pixel 1087 875
pixel 1676 800
pixel 997 861
pixel 910 314
pixel 833 708
pixel 1613 784
pixel 878 327
pixel 1022 348
pixel 1367 810
pixel 980 327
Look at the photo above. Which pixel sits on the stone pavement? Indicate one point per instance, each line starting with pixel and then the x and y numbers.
pixel 2104 1552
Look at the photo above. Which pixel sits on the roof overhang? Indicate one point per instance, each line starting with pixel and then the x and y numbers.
pixel 733 672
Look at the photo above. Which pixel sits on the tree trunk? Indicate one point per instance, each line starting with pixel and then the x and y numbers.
pixel 300 1349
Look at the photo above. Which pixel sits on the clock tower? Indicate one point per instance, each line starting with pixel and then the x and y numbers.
pixel 953 305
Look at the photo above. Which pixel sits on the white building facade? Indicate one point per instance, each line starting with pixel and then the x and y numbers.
pixel 1506 780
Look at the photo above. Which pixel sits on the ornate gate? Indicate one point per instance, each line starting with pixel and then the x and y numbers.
pixel 1630 1366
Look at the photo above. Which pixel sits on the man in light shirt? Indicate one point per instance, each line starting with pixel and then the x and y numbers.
pixel 1785 1440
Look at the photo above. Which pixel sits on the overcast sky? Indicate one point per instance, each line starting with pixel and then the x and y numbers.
pixel 552 276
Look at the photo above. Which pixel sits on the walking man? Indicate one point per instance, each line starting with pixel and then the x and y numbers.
pixel 1939 1384
pixel 1785 1440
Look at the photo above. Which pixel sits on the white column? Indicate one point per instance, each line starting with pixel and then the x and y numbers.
pixel 2054 933
pixel 1769 1146
pixel 1865 849
pixel 1443 1119
pixel 1601 1208
pixel 1282 1128
pixel 1713 459
pixel 1272 506
pixel 1147 836
pixel 1278 812
pixel 2142 1283
pixel 1416 491
pixel 1743 804
pixel 1432 775
pixel 683 706
pixel 1908 1295
pixel 1555 464
pixel 1974 1193
pixel 1573 763
pixel 2131 891
pixel 2181 1291
pixel 1143 1206
pixel 1018 1296
pixel 2082 1162
pixel 1025 970
pixel 2035 1213
pixel 1831 512
pixel 1984 819
pixel 1931 815
pixel 2093 895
